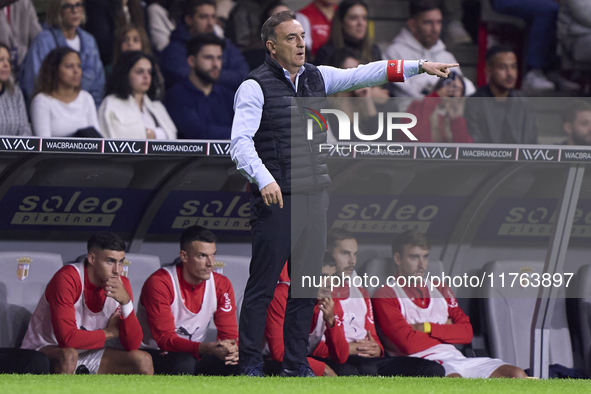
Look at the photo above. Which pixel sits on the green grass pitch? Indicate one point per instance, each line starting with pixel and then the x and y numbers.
pixel 111 384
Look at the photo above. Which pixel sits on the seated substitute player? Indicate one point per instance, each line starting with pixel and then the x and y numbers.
pixel 176 306
pixel 85 305
pixel 365 350
pixel 421 323
pixel 327 337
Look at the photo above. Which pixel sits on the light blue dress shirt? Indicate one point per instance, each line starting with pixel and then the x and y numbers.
pixel 249 100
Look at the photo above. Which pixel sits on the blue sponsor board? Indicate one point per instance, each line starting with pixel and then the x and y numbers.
pixel 177 148
pixel 221 212
pixel 531 219
pixel 64 208
pixel 20 144
pixel 378 217
pixel 125 147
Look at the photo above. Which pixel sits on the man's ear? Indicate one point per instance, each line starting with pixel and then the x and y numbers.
pixel 184 256
pixel 91 258
pixel 188 20
pixel 397 258
pixel 568 128
pixel 411 23
pixel 270 47
pixel 191 61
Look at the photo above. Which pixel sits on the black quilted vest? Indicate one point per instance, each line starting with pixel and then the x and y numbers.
pixel 294 161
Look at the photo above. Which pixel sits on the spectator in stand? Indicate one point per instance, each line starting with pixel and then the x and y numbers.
pixel 367 109
pixel 176 306
pixel 107 17
pixel 316 19
pixel 199 18
pixel 440 115
pixel 200 107
pixel 13 111
pixel 161 21
pixel 60 108
pixel 574 29
pixel 134 38
pixel 504 117
pixel 18 27
pixel 423 322
pixel 129 109
pixel 349 29
pixel 244 22
pixel 255 52
pixel 420 39
pixel 576 122
pixel 131 38
pixel 63 19
pixel 541 15
pixel 84 307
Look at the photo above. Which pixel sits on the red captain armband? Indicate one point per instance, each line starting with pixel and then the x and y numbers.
pixel 395 69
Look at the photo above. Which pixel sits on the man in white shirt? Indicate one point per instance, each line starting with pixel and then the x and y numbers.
pixel 283 176
pixel 421 39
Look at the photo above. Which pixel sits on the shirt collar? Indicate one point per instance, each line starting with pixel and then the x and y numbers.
pixel 300 71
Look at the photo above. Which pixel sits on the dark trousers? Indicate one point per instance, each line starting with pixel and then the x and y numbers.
pixel 297 234
pixel 387 366
pixel 174 363
pixel 23 361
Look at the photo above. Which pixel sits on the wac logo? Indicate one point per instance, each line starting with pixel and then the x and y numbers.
pixel 538 154
pixel 435 153
pixel 123 147
pixel 344 131
pixel 21 144
pixel 220 149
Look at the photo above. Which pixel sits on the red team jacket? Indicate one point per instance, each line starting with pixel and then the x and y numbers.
pixel 158 295
pixel 397 330
pixel 63 291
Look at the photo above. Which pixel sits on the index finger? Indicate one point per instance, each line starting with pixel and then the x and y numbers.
pixel 280 198
pixel 449 65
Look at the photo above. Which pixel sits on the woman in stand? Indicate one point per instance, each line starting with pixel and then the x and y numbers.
pixel 349 30
pixel 129 110
pixel 13 113
pixel 63 19
pixel 60 108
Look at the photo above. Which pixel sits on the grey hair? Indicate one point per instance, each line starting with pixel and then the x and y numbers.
pixel 268 30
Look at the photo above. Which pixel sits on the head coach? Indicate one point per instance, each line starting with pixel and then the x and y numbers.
pixel 284 174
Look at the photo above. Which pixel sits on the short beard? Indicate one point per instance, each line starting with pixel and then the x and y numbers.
pixel 578 140
pixel 205 77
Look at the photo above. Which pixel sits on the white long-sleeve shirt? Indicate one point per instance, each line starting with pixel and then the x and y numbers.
pixel 249 100
pixel 54 118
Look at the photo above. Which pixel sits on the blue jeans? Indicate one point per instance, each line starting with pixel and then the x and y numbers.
pixel 541 16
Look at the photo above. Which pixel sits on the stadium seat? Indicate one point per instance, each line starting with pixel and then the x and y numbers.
pixel 509 313
pixel 236 268
pixel 21 289
pixel 580 317
pixel 140 267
